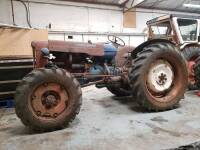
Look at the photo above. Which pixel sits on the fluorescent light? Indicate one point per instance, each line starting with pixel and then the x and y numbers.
pixel 191 6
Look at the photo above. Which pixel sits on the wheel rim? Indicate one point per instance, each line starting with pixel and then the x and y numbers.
pixel 49 100
pixel 160 77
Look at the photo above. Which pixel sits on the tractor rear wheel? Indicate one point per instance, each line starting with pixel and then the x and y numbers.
pixel 48 99
pixel 158 77
pixel 191 54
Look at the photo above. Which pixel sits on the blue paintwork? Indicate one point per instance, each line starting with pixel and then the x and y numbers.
pixel 6 103
pixel 109 51
pixel 96 70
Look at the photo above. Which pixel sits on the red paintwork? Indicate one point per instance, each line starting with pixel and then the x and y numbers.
pixel 191 71
pixel 37 46
pixel 67 47
pixel 198 93
pixel 94 49
pixel 122 52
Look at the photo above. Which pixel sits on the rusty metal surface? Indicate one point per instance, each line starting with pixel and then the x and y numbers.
pixel 122 53
pixel 171 35
pixel 49 101
pixel 167 97
pixel 85 74
pixel 76 47
pixel 191 74
pixel 67 47
pixel 37 45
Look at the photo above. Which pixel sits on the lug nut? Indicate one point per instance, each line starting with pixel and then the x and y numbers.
pixel 45 84
pixel 39 113
pixel 33 97
pixel 61 88
pixel 66 103
pixel 55 115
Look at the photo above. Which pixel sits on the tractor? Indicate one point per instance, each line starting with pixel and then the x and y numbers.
pixel 154 74
pixel 184 32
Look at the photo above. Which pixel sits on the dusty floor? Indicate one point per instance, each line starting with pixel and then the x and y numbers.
pixel 105 123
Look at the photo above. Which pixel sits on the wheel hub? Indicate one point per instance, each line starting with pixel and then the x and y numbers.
pixel 49 100
pixel 160 76
pixel 162 79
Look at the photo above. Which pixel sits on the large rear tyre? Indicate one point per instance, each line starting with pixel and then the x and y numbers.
pixel 191 54
pixel 159 77
pixel 48 99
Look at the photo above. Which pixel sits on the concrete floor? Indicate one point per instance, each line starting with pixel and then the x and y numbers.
pixel 107 122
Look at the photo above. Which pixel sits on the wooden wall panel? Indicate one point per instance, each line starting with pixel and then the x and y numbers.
pixel 130 19
pixel 17 42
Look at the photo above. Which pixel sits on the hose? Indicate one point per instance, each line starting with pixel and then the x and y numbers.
pixel 27 13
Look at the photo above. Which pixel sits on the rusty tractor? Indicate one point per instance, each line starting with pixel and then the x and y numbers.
pixel 184 32
pixel 49 98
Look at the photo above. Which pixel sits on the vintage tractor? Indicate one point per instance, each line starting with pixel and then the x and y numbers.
pixel 49 98
pixel 184 32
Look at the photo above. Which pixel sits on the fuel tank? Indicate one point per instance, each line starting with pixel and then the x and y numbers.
pixel 109 51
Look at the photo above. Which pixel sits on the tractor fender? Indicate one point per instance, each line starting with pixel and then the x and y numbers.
pixel 149 42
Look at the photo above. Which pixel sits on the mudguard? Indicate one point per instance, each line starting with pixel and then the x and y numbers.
pixel 141 46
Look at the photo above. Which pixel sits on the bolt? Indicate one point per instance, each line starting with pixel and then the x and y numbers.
pixel 33 97
pixel 55 115
pixel 61 88
pixel 39 113
pixel 45 84
pixel 47 115
pixel 66 103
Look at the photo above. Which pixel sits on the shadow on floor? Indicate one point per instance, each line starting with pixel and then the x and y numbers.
pixel 133 105
pixel 22 130
pixel 193 146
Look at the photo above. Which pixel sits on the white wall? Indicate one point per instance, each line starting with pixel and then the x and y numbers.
pixel 79 17
pixel 5 12
pixel 65 16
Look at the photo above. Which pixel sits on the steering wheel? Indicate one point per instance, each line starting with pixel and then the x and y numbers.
pixel 116 40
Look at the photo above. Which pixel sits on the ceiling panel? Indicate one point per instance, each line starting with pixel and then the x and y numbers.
pixel 106 2
pixel 172 5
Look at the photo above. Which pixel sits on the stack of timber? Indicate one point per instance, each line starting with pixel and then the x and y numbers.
pixel 16 56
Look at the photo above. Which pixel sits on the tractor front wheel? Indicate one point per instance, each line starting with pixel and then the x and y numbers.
pixel 48 99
